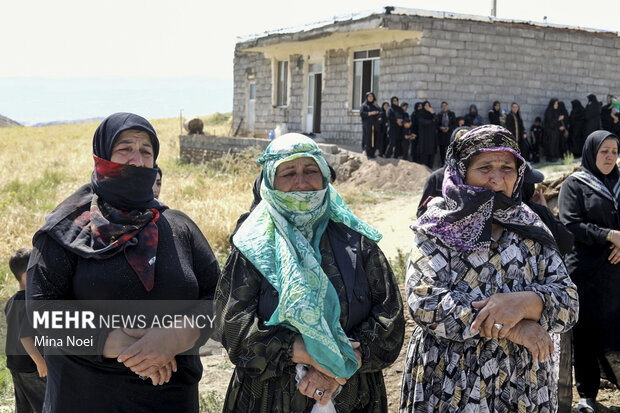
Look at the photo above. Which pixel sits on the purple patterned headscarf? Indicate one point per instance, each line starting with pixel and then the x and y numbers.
pixel 463 218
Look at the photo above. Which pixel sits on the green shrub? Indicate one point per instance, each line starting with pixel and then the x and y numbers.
pixel 211 402
pixel 399 265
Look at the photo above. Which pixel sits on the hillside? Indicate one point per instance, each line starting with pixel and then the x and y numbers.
pixel 4 121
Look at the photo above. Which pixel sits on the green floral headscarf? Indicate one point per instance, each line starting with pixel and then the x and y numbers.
pixel 281 239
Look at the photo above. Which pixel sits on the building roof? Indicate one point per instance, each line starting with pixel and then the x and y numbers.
pixel 388 10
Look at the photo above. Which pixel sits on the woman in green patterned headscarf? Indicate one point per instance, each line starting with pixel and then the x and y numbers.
pixel 306 285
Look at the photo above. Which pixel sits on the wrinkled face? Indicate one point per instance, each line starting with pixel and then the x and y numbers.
pixel 515 108
pixel 607 156
pixel 493 170
pixel 133 147
pixel 157 186
pixel 301 174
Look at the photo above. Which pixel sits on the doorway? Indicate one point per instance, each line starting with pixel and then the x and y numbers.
pixel 251 106
pixel 313 114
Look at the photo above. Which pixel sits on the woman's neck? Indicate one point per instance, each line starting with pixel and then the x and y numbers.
pixel 496 231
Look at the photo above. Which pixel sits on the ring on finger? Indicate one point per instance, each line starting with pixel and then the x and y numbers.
pixel 498 326
pixel 319 393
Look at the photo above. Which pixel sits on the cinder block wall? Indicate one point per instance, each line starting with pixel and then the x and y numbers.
pixel 460 61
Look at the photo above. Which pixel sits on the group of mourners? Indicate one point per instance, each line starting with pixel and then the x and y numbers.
pixel 390 131
pixel 307 305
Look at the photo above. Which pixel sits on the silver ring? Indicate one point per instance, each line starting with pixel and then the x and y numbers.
pixel 318 392
pixel 498 326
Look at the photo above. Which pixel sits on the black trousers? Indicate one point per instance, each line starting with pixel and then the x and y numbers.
pixel 29 391
pixel 588 353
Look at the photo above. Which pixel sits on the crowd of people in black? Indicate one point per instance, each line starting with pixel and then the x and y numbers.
pixel 390 130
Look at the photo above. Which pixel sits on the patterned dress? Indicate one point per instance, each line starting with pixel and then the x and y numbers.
pixel 449 369
pixel 264 376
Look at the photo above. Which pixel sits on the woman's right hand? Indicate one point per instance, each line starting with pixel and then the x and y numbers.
pixel 163 375
pixel 539 197
pixel 531 335
pixel 116 343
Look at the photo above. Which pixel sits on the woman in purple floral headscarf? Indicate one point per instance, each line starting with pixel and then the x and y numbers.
pixel 486 287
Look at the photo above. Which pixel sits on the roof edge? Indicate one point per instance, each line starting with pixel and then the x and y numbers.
pixel 412 12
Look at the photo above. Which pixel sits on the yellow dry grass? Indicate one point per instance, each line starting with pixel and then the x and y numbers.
pixel 41 166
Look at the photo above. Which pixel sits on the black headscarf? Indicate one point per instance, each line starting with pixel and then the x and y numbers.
pixel 577 109
pixel 374 98
pixel 588 160
pixel 393 105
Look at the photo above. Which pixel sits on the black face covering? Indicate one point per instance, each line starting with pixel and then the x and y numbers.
pixel 127 187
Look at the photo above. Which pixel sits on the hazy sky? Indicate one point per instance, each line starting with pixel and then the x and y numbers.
pixel 175 38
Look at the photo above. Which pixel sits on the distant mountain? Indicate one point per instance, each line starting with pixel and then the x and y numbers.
pixel 68 122
pixel 4 121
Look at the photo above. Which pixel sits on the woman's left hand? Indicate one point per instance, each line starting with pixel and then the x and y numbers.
pixel 506 309
pixel 155 348
pixel 614 257
pixel 315 381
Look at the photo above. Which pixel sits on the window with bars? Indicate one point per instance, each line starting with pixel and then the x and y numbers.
pixel 366 64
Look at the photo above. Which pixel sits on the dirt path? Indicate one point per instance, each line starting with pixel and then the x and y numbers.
pixel 392 218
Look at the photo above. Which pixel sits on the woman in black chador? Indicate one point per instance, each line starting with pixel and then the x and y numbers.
pixel 426 141
pixel 593 115
pixel 576 124
pixel 552 131
pixel 395 129
pixel 514 124
pixel 370 113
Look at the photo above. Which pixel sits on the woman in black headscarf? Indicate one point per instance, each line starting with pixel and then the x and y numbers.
pixel 576 124
pixel 593 115
pixel 383 123
pixel 552 131
pixel 369 111
pixel 472 118
pixel 514 124
pixel 109 241
pixel 495 114
pixel 588 205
